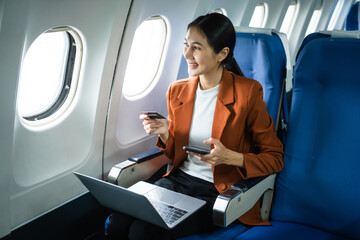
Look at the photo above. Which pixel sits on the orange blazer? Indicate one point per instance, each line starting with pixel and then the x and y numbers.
pixel 241 123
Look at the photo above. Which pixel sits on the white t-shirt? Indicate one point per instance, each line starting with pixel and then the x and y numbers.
pixel 200 130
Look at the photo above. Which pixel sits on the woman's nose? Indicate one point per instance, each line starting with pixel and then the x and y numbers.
pixel 187 53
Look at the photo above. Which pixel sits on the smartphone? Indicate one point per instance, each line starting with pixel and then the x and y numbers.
pixel 154 115
pixel 202 151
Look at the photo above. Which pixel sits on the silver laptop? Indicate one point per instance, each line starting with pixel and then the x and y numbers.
pixel 145 201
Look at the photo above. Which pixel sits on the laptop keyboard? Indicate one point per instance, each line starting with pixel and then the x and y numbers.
pixel 170 214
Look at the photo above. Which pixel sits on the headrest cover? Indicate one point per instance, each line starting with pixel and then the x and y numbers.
pixel 267 31
pixel 342 34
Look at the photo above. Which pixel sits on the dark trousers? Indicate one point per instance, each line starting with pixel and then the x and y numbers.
pixel 122 226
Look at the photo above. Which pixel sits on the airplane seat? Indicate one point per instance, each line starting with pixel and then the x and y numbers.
pixel 352 21
pixel 263 55
pixel 317 193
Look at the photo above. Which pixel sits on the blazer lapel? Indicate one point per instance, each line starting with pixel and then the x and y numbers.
pixel 225 97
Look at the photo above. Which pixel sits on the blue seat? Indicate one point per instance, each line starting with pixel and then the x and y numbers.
pixel 317 193
pixel 352 21
pixel 261 55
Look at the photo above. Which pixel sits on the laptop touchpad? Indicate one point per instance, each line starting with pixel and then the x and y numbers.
pixel 163 195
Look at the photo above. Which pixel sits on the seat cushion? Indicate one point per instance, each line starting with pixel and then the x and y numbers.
pixel 286 231
pixel 228 233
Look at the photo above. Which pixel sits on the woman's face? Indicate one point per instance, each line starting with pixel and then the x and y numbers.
pixel 200 56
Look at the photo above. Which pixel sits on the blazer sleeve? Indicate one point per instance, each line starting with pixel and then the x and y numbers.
pixel 168 147
pixel 266 156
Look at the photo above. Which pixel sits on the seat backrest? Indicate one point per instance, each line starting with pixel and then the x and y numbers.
pixel 262 56
pixel 319 185
pixel 352 21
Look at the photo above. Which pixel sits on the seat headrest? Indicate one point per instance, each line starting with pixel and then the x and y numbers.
pixel 342 33
pixel 328 34
pixel 352 21
pixel 244 29
pixel 261 56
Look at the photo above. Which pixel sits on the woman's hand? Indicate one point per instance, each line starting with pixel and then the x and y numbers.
pixel 220 155
pixel 155 126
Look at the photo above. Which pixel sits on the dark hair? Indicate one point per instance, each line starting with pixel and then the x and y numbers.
pixel 220 33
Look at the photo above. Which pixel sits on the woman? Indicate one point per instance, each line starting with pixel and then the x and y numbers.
pixel 216 108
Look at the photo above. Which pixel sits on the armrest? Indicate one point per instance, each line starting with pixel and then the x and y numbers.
pixel 137 168
pixel 241 197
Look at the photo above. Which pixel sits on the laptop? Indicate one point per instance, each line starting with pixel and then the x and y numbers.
pixel 145 201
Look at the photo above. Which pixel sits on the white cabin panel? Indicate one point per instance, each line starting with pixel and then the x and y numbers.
pixel 44 156
pixel 125 135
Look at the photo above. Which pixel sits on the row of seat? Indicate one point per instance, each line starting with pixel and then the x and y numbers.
pixel 316 193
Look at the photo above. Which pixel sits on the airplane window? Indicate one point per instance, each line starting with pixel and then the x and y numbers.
pixel 46 76
pixel 289 18
pixel 259 16
pixel 145 57
pixel 313 22
pixel 335 15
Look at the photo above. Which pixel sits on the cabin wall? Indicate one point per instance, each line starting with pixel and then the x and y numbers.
pixel 37 161
pixel 124 133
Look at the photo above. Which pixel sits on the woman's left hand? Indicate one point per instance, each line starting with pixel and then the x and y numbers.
pixel 220 155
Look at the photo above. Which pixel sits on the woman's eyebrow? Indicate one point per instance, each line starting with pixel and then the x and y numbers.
pixel 197 43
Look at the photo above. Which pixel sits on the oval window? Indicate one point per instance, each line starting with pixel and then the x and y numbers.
pixel 259 16
pixel 48 74
pixel 289 18
pixel 145 57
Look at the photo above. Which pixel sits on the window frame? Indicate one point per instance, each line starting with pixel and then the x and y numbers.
pixel 290 27
pixel 150 84
pixel 264 17
pixel 314 21
pixel 69 82
pixel 335 15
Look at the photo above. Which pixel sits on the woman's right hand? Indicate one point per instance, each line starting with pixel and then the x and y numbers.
pixel 155 126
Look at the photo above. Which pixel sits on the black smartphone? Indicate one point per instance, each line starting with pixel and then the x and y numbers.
pixel 202 151
pixel 154 115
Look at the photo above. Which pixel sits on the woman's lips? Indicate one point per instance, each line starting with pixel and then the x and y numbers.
pixel 192 65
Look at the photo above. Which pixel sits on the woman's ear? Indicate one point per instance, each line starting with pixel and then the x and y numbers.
pixel 223 54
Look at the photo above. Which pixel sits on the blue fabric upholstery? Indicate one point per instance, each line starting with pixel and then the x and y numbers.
pixel 309 38
pixel 262 57
pixel 183 69
pixel 352 19
pixel 318 189
pixel 287 231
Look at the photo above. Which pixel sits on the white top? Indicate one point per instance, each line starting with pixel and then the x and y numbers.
pixel 200 130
